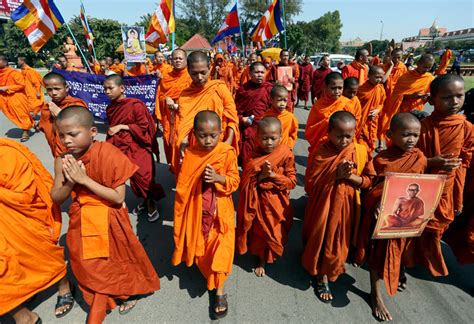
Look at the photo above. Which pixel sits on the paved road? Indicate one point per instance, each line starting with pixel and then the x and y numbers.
pixel 285 294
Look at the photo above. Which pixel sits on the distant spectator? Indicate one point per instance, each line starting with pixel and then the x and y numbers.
pixel 457 63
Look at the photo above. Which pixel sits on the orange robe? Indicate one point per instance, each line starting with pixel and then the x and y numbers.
pixel 163 68
pixel 292 95
pixel 137 70
pixel 388 255
pixel 14 102
pixel 444 135
pixel 34 84
pixel 356 70
pixel 289 126
pixel 117 68
pixel 105 255
pixel 46 124
pixel 331 214
pixel 264 214
pixel 397 71
pixel 237 77
pixel 371 98
pixel 30 258
pixel 376 60
pixel 444 62
pixel 224 74
pixel 407 84
pixel 171 85
pixel 214 96
pixel 245 77
pixel 208 242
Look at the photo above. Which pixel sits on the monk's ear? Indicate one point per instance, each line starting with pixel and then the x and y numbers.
pixel 93 132
pixel 389 133
pixel 431 99
pixel 67 88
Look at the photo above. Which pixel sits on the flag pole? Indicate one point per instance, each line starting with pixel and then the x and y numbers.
pixel 78 47
pixel 240 27
pixel 173 36
pixel 92 39
pixel 284 20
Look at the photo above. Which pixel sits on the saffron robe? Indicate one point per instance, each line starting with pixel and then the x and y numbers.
pixel 117 68
pixel 33 87
pixel 251 99
pixel 138 144
pixel 213 256
pixel 444 62
pixel 14 102
pixel 47 126
pixel 397 71
pixel 318 83
pixel 264 214
pixel 356 70
pixel 224 74
pixel 371 98
pixel 30 258
pixel 305 80
pixel 330 215
pixel 105 255
pixel 289 126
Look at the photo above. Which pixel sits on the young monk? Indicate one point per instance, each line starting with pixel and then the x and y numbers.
pixel 411 92
pixel 33 86
pixel 446 140
pixel 339 168
pixel 264 214
pixel 57 90
pixel 223 71
pixel 132 130
pixel 204 230
pixel 30 227
pixel 372 97
pixel 387 258
pixel 289 123
pixel 203 94
pixel 13 100
pixel 106 257
pixel 351 87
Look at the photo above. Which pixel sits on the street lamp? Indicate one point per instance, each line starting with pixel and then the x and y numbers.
pixel 381 30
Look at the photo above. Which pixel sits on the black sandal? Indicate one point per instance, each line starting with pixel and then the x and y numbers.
pixel 323 288
pixel 220 301
pixel 125 304
pixel 64 300
pixel 402 282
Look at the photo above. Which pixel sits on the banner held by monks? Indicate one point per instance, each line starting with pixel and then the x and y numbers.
pixel 134 43
pixel 408 203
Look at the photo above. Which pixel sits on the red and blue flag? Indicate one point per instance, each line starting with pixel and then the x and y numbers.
pixel 229 27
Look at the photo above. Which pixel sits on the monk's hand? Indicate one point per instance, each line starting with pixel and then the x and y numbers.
pixel 344 170
pixel 211 176
pixel 53 109
pixel 445 162
pixel 169 103
pixel 75 171
pixel 115 129
pixel 182 148
pixel 266 171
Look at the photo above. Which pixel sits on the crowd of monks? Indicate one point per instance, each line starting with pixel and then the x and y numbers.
pixel 216 116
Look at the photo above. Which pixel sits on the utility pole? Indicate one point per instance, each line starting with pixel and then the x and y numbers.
pixel 381 30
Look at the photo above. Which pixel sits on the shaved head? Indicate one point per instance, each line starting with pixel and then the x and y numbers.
pixel 206 116
pixel 403 120
pixel 115 78
pixel 54 76
pixel 278 90
pixel 196 57
pixel 426 58
pixel 351 82
pixel 255 64
pixel 80 115
pixel 267 122
pixel 374 69
pixel 179 50
pixel 341 117
pixel 3 58
pixel 442 81
pixel 333 76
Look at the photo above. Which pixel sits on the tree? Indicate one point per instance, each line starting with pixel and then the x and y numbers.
pixel 378 47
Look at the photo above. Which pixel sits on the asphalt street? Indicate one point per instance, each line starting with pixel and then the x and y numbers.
pixel 285 295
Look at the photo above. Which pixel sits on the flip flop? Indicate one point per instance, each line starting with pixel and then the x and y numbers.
pixel 64 300
pixel 220 301
pixel 323 288
pixel 127 310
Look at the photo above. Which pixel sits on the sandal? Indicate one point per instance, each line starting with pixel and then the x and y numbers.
pixel 153 217
pixel 323 288
pixel 220 301
pixel 39 321
pixel 128 306
pixel 64 300
pixel 24 138
pixel 402 282
pixel 137 210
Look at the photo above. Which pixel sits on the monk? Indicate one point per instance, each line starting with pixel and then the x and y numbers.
pixel 239 70
pixel 411 92
pixel 223 71
pixel 351 88
pixel 305 80
pixel 13 100
pixel 252 101
pixel 289 123
pixel 317 86
pixel 268 63
pixel 264 214
pixel 293 81
pixel 32 260
pixel 358 68
pixel 136 70
pixel 407 211
pixel 107 259
pixel 444 62
pixel 132 130
pixel 388 257
pixel 204 230
pixel 318 119
pixel 446 140
pixel 246 74
pixel 117 67
pixel 57 90
pixel 33 86
pixel 173 82
pixel 335 173
pixel 203 94
pixel 376 60
pixel 159 63
pixel 65 65
pixel 372 97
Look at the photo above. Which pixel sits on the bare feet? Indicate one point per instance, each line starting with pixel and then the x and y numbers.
pixel 378 306
pixel 127 306
pixel 23 315
pixel 260 269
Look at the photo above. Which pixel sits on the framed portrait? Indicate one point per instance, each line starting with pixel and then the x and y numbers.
pixel 134 49
pixel 284 75
pixel 408 203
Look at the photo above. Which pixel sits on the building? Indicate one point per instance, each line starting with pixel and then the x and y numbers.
pixel 425 35
pixel 456 36
pixel 356 42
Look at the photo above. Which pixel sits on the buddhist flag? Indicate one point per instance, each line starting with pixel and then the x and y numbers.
pixel 162 24
pixel 230 27
pixel 39 20
pixel 87 29
pixel 269 25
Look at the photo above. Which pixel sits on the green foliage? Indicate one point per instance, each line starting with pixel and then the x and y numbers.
pixel 378 47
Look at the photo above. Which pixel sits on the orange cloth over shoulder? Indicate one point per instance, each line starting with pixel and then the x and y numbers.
pixel 225 73
pixel 214 96
pixel 289 126
pixel 33 89
pixel 371 98
pixel 117 68
pixel 397 71
pixel 357 70
pixel 171 85
pixel 105 255
pixel 407 84
pixel 214 256
pixel 137 70
pixel 30 258
pixel 46 124
pixel 163 68
pixel 444 62
pixel 14 102
pixel 264 214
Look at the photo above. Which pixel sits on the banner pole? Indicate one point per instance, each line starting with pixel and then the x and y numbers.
pixel 240 27
pixel 78 47
pixel 284 20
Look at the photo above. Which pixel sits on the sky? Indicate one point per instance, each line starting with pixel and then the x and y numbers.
pixel 360 18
